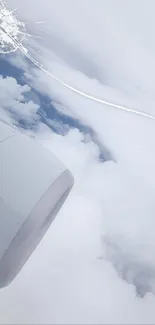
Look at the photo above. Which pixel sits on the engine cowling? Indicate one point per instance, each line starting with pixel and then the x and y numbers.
pixel 34 184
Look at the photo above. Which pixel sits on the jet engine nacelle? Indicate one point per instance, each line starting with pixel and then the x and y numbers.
pixel 33 187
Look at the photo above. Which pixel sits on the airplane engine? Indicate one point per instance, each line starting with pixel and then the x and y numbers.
pixel 34 184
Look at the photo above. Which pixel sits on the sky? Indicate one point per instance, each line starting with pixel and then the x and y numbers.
pixel 96 263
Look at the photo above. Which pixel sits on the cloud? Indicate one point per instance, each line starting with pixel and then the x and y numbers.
pixel 115 36
pixel 66 280
pixel 99 253
pixel 13 102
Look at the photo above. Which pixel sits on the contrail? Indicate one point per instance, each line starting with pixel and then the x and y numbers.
pixel 40 22
pixel 73 89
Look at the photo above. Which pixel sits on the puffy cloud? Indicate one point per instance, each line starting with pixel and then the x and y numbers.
pixel 13 103
pixel 65 280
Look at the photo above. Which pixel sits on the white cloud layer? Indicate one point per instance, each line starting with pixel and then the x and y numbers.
pixel 99 253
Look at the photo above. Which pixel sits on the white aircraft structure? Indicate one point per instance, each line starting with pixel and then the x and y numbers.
pixel 34 184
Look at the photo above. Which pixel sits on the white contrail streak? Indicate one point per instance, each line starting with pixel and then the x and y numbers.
pixel 40 22
pixel 75 90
